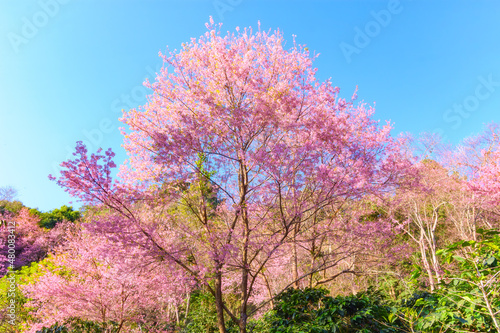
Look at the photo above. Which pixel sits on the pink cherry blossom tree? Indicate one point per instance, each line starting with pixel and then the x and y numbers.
pixel 423 207
pixel 485 167
pixel 30 241
pixel 104 282
pixel 455 193
pixel 475 161
pixel 237 151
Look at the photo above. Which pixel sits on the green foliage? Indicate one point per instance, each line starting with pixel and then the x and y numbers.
pixel 472 281
pixel 77 325
pixel 437 312
pixel 21 312
pixel 376 213
pixel 202 316
pixel 10 206
pixel 262 324
pixel 50 219
pixel 420 313
pixel 27 275
pixel 203 184
pixel 468 296
pixel 311 310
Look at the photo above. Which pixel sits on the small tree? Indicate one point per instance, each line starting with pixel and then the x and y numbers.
pixel 8 193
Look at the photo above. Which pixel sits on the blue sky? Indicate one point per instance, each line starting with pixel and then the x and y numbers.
pixel 67 67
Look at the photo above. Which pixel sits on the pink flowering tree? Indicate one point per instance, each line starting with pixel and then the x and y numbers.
pixel 423 210
pixel 237 153
pixel 31 242
pixel 485 167
pixel 332 253
pixel 455 195
pixel 475 162
pixel 438 199
pixel 95 280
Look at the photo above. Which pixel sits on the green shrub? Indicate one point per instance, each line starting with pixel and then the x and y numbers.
pixel 312 311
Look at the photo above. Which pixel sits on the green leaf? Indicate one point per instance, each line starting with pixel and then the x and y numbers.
pixel 420 302
pixel 490 262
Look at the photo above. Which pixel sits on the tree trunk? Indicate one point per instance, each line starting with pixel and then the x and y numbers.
pixel 295 259
pixel 435 263
pixel 187 307
pixel 243 323
pixel 219 302
pixel 244 277
pixel 177 319
pixel 425 261
pixel 269 292
pixel 243 187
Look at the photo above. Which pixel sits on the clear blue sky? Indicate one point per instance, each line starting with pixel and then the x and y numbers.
pixel 68 67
